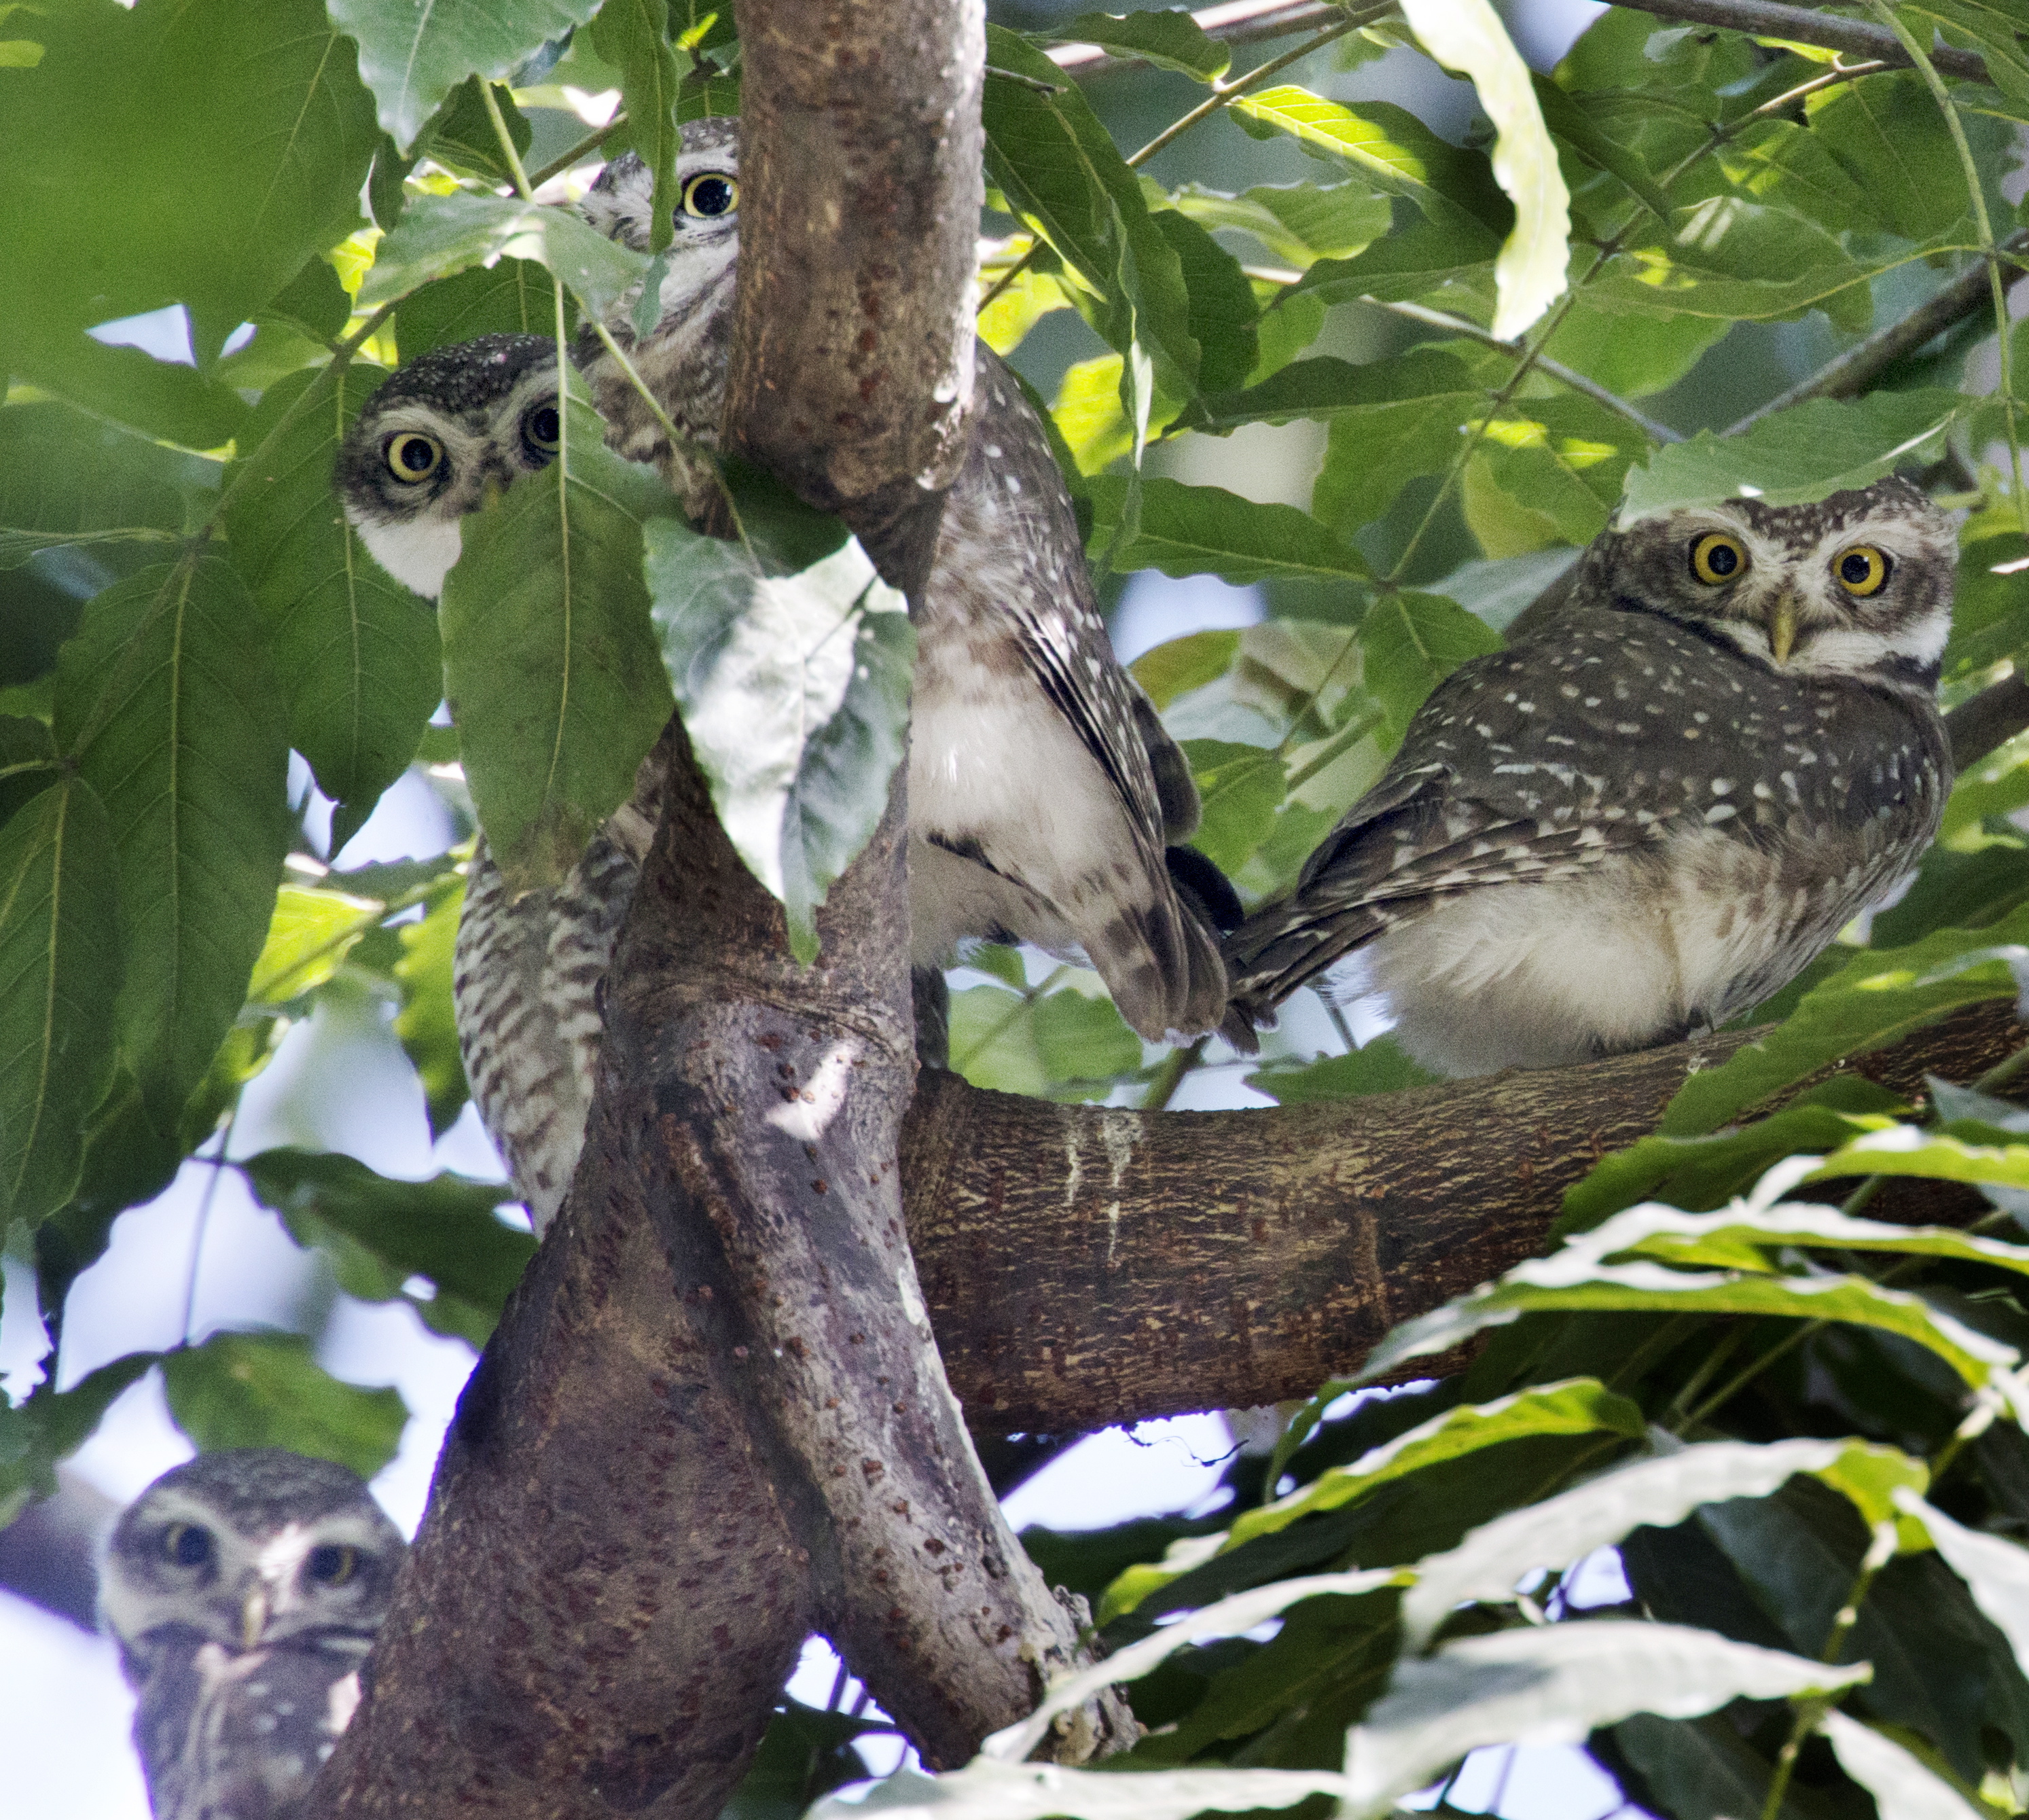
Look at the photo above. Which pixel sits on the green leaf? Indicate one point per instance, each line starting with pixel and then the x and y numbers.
pixel 309 938
pixel 1491 1561
pixel 1410 643
pixel 1068 1044
pixel 1886 133
pixel 266 1390
pixel 550 660
pixel 381 1234
pixel 362 667
pixel 1187 530
pixel 792 661
pixel 1802 453
pixel 1240 787
pixel 166 700
pixel 67 476
pixel 412 56
pixel 1875 997
pixel 1388 146
pixel 1467 37
pixel 460 135
pixel 427 1023
pixel 27 762
pixel 1633 356
pixel 1168 671
pixel 195 154
pixel 510 297
pixel 1995 28
pixel 1222 314
pixel 59 974
pixel 1060 172
pixel 1578 129
pixel 1554 1684
pixel 1449 262
pixel 1565 458
pixel 48 1425
pixel 1298 224
pixel 988 1789
pixel 1902 1789
pixel 1996 1571
pixel 1579 1406
pixel 1168 40
pixel 633 36
pixel 1379 1067
pixel 438 235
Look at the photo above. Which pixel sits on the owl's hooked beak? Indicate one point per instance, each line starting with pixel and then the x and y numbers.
pixel 254 1617
pixel 1782 627
pixel 491 491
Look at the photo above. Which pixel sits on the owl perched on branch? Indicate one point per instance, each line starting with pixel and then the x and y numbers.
pixel 1653 809
pixel 244 1590
pixel 1045 798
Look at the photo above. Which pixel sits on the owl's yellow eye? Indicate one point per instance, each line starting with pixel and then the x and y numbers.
pixel 1717 559
pixel 186 1544
pixel 412 456
pixel 332 1563
pixel 541 428
pixel 710 194
pixel 1862 571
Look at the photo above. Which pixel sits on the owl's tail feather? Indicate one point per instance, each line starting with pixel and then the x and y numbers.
pixel 1284 946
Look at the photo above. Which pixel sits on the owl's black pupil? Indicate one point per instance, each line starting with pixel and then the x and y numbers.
pixel 330 1561
pixel 542 425
pixel 1721 559
pixel 711 196
pixel 417 455
pixel 188 1546
pixel 1855 569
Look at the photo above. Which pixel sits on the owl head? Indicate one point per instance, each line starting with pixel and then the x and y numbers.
pixel 1859 584
pixel 247 1548
pixel 698 268
pixel 449 428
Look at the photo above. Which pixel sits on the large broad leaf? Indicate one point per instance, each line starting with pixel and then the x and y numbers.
pixel 168 702
pixel 1888 134
pixel 438 235
pixel 1385 396
pixel 1799 455
pixel 508 297
pixel 59 974
pixel 1583 1405
pixel 309 938
pixel 1553 1685
pixel 1060 170
pixel 413 56
pixel 1187 530
pixel 428 1023
pixel 550 660
pixel 1996 1571
pixel 195 154
pixel 1561 458
pixel 267 1390
pixel 1488 1565
pixel 361 665
pixel 66 478
pixel 1875 997
pixel 1467 36
pixel 1409 643
pixel 1994 28
pixel 792 661
pixel 381 1235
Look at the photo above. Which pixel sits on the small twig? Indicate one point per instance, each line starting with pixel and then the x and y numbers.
pixel 1029 82
pixel 1175 1067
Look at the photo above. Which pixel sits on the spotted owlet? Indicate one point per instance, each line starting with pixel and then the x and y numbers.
pixel 244 1590
pixel 1655 807
pixel 1045 796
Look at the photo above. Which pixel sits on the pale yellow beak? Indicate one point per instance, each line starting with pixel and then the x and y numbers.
pixel 1782 628
pixel 254 1617
pixel 491 490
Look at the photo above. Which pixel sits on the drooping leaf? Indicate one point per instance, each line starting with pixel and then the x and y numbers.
pixel 119 193
pixel 508 297
pixel 460 135
pixel 1887 133
pixel 1996 1571
pixel 1187 530
pixel 382 1234
pixel 167 701
pixel 988 1789
pixel 792 661
pixel 1902 1789
pixel 1798 454
pixel 1297 225
pixel 1488 1565
pixel 439 235
pixel 1239 788
pixel 1554 1684
pixel 550 660
pixel 633 36
pixel 358 656
pixel 65 476
pixel 412 56
pixel 59 974
pixel 1467 36
pixel 266 1390
pixel 1409 643
pixel 49 1424
pixel 308 939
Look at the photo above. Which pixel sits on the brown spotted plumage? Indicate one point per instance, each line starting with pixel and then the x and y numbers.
pixel 1656 806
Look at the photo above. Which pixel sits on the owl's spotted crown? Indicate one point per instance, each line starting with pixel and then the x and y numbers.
pixel 1858 585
